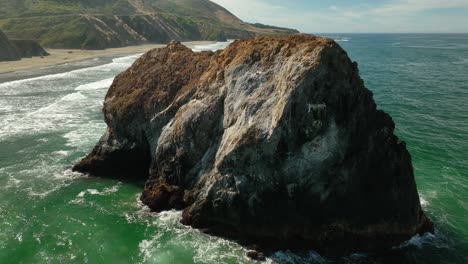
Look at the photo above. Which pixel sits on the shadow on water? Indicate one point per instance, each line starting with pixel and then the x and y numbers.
pixel 442 247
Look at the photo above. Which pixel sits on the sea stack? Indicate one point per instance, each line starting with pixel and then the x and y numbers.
pixel 273 141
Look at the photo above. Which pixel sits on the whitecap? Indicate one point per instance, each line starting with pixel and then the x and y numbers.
pixel 423 201
pixel 127 59
pixel 45 77
pixel 74 97
pixel 61 153
pixel 206 249
pixel 116 64
pixel 105 191
pixel 95 85
pixel 62 179
pixel 84 136
pixel 340 38
pixel 213 46
pixel 93 191
pixel 419 240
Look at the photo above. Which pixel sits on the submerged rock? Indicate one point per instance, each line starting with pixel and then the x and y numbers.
pixel 272 141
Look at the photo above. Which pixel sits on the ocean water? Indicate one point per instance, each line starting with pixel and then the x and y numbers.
pixel 49 214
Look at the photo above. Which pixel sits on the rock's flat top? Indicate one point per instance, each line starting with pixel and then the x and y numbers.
pixel 272 141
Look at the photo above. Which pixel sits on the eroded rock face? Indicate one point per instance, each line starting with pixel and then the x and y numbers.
pixel 272 141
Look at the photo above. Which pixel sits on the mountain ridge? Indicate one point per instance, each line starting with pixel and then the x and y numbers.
pixel 88 24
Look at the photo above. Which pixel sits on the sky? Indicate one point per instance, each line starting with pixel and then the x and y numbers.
pixel 355 16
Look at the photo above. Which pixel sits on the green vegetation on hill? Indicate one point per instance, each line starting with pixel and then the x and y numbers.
pixel 91 24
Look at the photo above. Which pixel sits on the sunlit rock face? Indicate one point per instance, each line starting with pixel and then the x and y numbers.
pixel 274 142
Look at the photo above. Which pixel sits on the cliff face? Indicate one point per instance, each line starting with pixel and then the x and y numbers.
pixel 7 50
pixel 115 23
pixel 272 141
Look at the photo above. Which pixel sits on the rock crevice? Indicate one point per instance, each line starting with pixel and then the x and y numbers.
pixel 272 141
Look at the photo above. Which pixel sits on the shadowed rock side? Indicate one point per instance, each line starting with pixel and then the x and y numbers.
pixel 273 141
pixel 7 50
pixel 11 50
pixel 28 48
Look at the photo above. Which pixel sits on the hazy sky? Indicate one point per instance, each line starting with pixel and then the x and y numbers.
pixel 313 16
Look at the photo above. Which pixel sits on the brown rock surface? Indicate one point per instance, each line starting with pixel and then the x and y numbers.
pixel 272 141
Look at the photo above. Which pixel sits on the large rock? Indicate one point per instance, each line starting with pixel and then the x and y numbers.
pixel 273 141
pixel 8 52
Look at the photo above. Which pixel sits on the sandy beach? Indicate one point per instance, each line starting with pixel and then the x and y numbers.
pixel 61 56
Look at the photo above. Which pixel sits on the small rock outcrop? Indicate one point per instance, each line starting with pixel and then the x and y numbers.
pixel 7 50
pixel 28 48
pixel 274 142
pixel 11 50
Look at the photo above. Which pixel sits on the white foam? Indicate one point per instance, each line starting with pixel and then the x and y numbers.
pixel 40 105
pixel 74 97
pixel 340 38
pixel 419 241
pixel 118 63
pixel 45 77
pixel 206 249
pixel 95 85
pixel 81 196
pixel 423 201
pixel 61 153
pixel 53 184
pixel 104 192
pixel 71 112
pixel 213 46
pixel 84 136
pixel 127 59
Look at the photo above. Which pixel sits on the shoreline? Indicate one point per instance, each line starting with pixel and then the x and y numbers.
pixel 62 60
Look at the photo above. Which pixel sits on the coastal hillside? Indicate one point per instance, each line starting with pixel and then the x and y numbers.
pixel 102 24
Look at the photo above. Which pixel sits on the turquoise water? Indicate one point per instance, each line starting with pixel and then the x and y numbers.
pixel 49 214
